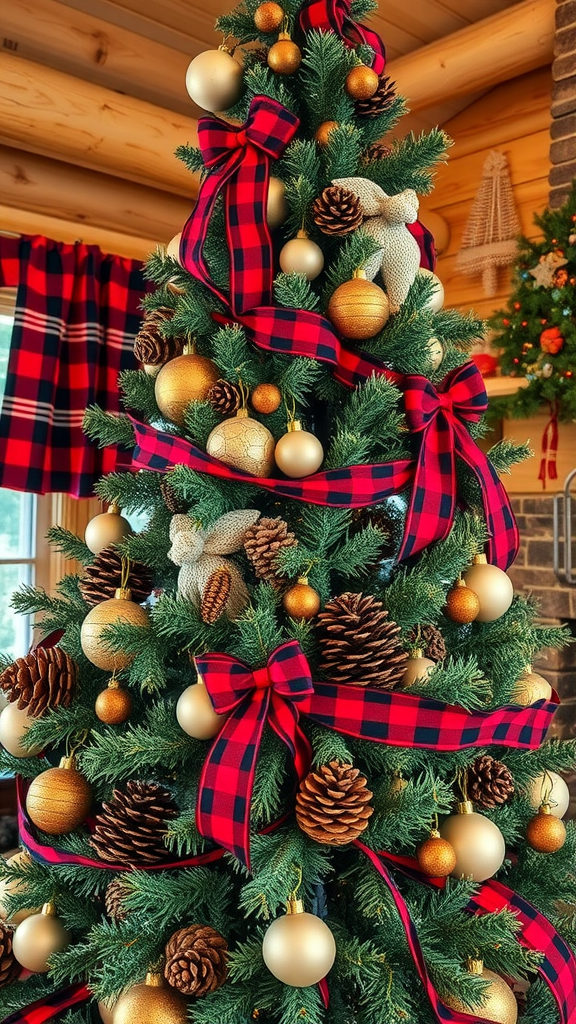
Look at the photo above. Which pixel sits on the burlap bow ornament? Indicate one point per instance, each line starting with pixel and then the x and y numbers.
pixel 385 220
pixel 201 552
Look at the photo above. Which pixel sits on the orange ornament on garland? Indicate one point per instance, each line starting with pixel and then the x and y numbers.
pixel 551 341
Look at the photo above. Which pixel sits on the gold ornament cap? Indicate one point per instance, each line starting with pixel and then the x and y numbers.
pixel 474 965
pixel 49 909
pixel 545 808
pixel 293 425
pixel 114 509
pixel 480 560
pixel 359 274
pixel 303 581
pixel 465 807
pixel 242 413
pixel 154 979
pixel 68 762
pixel 123 594
pixel 294 906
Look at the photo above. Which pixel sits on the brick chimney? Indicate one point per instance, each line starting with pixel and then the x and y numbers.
pixel 563 128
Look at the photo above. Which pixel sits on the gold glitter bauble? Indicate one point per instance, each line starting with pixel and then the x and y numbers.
pixel 114 704
pixel 528 688
pixel 284 57
pixel 298 453
pixel 498 1000
pixel 436 856
pixel 324 131
pixel 187 378
pixel 361 82
pixel 418 668
pixel 266 398
pixel 276 205
pixel 298 949
pixel 14 724
pixel 302 256
pixel 243 443
pixel 462 604
pixel 477 842
pixel 358 308
pixel 544 832
pixel 492 586
pixel 118 609
pixel 268 17
pixel 16 887
pixel 59 799
pixel 150 1003
pixel 105 529
pixel 214 80
pixel 37 938
pixel 301 601
pixel 549 788
pixel 195 713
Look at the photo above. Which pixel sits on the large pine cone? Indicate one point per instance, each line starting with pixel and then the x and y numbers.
pixel 359 643
pixel 376 151
pixel 9 967
pixel 130 829
pixel 114 900
pixel 489 782
pixel 196 960
pixel 262 544
pixel 333 804
pixel 151 346
pixel 337 211
pixel 379 101
pixel 46 678
pixel 174 503
pixel 102 578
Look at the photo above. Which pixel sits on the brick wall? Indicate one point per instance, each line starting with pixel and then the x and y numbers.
pixel 563 128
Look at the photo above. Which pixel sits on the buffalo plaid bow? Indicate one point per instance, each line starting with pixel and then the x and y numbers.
pixel 50 1007
pixel 334 16
pixel 249 698
pixel 240 159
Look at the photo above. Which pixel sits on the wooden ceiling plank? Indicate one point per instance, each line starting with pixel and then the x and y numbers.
pixel 189 35
pixel 25 222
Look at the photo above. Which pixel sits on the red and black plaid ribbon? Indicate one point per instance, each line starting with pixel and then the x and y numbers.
pixel 549 446
pixel 50 1007
pixel 334 16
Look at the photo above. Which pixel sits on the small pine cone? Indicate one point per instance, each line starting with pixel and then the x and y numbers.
pixel 174 503
pixel 430 640
pixel 196 960
pixel 337 211
pixel 224 397
pixel 333 804
pixel 379 101
pixel 45 678
pixel 359 643
pixel 489 782
pixel 102 578
pixel 9 967
pixel 114 900
pixel 151 346
pixel 262 543
pixel 216 594
pixel 377 151
pixel 130 828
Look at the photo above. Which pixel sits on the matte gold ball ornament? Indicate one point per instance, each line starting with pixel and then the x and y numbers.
pixel 299 948
pixel 545 833
pixel 528 688
pixel 298 453
pixel 361 82
pixel 187 378
pixel 105 1012
pixel 359 309
pixel 59 799
pixel 302 256
pixel 152 1002
pixel 266 398
pixel 14 724
pixel 436 300
pixel 284 57
pixel 492 587
pixel 549 788
pixel 324 131
pixel 107 528
pixel 114 704
pixel 418 668
pixel 477 842
pixel 498 1000
pixel 276 205
pixel 195 713
pixel 301 601
pixel 38 937
pixel 118 609
pixel 436 856
pixel 268 17
pixel 16 887
pixel 243 443
pixel 214 79
pixel 462 604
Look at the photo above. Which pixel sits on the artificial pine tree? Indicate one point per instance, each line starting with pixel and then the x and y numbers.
pixel 301 542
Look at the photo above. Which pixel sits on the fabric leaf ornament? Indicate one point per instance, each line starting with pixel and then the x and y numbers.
pixel 201 552
pixel 385 220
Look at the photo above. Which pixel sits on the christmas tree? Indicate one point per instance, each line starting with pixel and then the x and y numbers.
pixel 307 779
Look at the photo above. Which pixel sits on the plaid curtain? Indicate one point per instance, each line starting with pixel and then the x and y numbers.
pixel 77 312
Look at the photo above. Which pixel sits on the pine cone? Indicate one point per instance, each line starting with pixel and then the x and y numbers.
pixel 333 804
pixel 263 542
pixel 174 503
pixel 130 828
pixel 114 900
pixel 377 151
pixel 359 643
pixel 337 211
pixel 216 594
pixel 430 640
pixel 9 967
pixel 489 782
pixel 45 678
pixel 380 101
pixel 196 960
pixel 151 346
pixel 102 578
pixel 224 397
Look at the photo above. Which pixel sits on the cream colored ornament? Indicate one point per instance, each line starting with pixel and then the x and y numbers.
pixel 298 453
pixel 418 668
pixel 276 205
pixel 14 724
pixel 150 1003
pixel 298 949
pixel 528 688
pixel 214 79
pixel 549 788
pixel 436 300
pixel 435 352
pixel 195 713
pixel 107 528
pixel 478 843
pixel 498 1000
pixel 302 256
pixel 173 251
pixel 16 887
pixel 243 443
pixel 492 587
pixel 201 552
pixel 385 221
pixel 118 609
pixel 38 937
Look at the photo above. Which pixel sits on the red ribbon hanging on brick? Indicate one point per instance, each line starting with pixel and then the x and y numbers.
pixel 335 16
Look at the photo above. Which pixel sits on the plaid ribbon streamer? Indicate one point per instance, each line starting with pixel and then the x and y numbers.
pixel 334 16
pixel 425 239
pixel 50 1007
pixel 249 698
pixel 239 158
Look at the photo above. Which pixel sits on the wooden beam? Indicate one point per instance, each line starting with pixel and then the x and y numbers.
pixel 510 43
pixel 26 223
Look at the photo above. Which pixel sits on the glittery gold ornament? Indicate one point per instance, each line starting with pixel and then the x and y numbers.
pixel 492 586
pixel 549 788
pixel 358 308
pixel 544 832
pixel 302 256
pixel 301 601
pixel 214 79
pixel 106 528
pixel 268 17
pixel 418 668
pixel 243 443
pixel 276 205
pixel 38 937
pixel 284 57
pixel 324 131
pixel 462 604
pixel 528 688
pixel 266 398
pixel 118 609
pixel 195 713
pixel 361 82
pixel 436 300
pixel 187 378
pixel 153 1002
pixel 59 799
pixel 298 453
pixel 436 856
pixel 16 887
pixel 498 1000
pixel 114 704
pixel 14 724
pixel 299 948
pixel 477 842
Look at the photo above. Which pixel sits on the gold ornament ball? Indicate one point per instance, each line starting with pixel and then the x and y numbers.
pixel 545 833
pixel 498 1000
pixel 37 938
pixel 266 398
pixel 243 443
pixel 361 82
pixel 118 609
pixel 436 300
pixel 324 131
pixel 173 251
pixel 417 669
pixel 492 586
pixel 299 949
pixel 195 713
pixel 187 378
pixel 462 604
pixel 550 788
pixel 106 1012
pixel 14 724
pixel 298 453
pixel 528 688
pixel 150 1003
pixel 59 799
pixel 268 17
pixel 358 309
pixel 301 601
pixel 302 256
pixel 114 704
pixel 477 842
pixel 284 57
pixel 15 887
pixel 214 80
pixel 276 205
pixel 435 352
pixel 105 529
pixel 436 856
